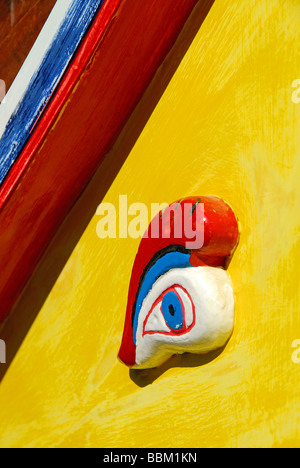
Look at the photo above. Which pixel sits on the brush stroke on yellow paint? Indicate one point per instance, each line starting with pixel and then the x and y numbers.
pixel 226 125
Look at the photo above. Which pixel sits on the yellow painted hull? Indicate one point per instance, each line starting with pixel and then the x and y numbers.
pixel 227 125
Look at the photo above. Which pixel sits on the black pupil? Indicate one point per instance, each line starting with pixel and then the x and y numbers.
pixel 172 310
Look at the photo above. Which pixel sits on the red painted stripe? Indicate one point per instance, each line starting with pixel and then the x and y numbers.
pixel 116 61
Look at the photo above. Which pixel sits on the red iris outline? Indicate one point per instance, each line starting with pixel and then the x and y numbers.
pixel 172 332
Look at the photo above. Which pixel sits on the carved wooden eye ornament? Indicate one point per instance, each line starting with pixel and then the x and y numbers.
pixel 180 295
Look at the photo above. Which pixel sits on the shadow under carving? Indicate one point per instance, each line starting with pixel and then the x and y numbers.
pixel 144 377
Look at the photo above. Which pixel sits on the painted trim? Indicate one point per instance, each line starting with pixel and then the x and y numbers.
pixel 40 74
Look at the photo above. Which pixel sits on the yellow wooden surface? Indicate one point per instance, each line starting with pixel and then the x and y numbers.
pixel 226 125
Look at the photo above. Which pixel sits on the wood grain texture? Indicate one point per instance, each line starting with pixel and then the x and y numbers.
pixel 20 23
pixel 226 126
pixel 80 123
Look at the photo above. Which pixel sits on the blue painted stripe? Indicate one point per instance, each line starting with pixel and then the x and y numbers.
pixel 163 264
pixel 75 24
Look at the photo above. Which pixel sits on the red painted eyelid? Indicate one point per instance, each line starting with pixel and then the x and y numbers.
pixel 172 332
